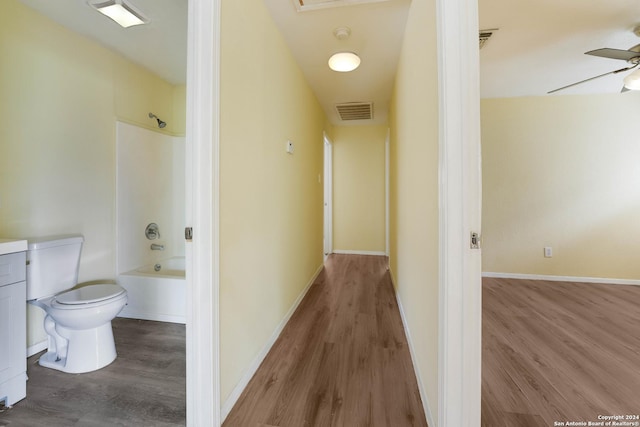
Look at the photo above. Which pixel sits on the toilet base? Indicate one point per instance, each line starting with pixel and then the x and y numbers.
pixel 87 350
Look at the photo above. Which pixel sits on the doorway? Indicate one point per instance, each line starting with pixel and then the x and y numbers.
pixel 459 379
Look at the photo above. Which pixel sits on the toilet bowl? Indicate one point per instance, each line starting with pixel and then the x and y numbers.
pixel 79 327
pixel 78 320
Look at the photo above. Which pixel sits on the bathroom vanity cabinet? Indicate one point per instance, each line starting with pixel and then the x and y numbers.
pixel 13 322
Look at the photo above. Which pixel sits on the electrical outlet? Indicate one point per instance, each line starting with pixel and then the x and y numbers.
pixel 548 252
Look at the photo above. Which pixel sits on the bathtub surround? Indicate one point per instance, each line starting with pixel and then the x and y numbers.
pixel 149 190
pixel 61 94
pixel 156 291
pixel 150 222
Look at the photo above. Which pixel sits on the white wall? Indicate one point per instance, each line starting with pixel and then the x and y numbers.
pixel 150 188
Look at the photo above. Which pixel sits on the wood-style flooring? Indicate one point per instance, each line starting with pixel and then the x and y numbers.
pixel 342 359
pixel 144 386
pixel 559 352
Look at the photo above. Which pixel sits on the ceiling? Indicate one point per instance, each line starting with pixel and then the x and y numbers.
pixel 540 45
pixel 376 36
pixel 160 46
pixel 376 27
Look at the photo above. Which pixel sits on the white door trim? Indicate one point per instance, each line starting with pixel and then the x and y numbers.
pixel 460 313
pixel 328 196
pixel 387 166
pixel 202 213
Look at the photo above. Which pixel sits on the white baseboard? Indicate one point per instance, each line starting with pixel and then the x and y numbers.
pixel 416 369
pixel 37 348
pixel 562 278
pixel 251 370
pixel 350 252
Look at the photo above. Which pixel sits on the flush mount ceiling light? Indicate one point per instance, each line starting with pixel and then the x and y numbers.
pixel 344 62
pixel 121 12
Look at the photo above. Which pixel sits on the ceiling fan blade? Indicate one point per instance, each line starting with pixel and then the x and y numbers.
pixel 624 55
pixel 592 78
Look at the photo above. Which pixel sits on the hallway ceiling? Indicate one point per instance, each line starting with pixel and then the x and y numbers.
pixel 376 36
pixel 540 45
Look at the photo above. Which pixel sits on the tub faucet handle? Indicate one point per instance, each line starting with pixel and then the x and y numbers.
pixel 152 231
pixel 156 247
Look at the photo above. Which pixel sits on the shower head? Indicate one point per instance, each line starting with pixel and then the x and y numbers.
pixel 161 124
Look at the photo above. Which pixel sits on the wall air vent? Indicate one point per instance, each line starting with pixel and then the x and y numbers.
pixel 306 5
pixel 355 110
pixel 485 35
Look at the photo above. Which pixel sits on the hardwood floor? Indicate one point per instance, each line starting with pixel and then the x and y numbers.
pixel 558 352
pixel 342 360
pixel 552 352
pixel 144 386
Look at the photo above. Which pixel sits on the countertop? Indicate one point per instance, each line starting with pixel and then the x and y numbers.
pixel 8 246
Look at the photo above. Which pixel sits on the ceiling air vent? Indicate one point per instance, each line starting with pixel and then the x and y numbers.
pixel 355 111
pixel 305 5
pixel 485 35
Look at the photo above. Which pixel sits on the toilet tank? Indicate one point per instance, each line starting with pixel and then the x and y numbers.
pixel 52 264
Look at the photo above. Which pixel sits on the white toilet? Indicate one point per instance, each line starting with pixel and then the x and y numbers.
pixel 78 320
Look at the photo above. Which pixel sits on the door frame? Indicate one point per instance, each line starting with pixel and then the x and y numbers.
pixel 327 232
pixel 202 213
pixel 460 206
pixel 387 177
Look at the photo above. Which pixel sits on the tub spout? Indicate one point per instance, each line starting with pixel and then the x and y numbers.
pixel 156 247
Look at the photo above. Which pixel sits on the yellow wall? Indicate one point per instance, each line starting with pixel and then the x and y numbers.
pixel 60 96
pixel 564 172
pixel 137 92
pixel 270 201
pixel 179 110
pixel 358 188
pixel 414 191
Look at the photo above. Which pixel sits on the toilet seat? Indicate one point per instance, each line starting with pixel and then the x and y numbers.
pixel 88 295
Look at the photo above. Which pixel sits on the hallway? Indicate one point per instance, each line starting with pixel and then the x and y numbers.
pixel 342 360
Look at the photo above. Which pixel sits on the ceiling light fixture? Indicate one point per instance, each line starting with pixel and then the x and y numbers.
pixel 632 81
pixel 344 62
pixel 121 12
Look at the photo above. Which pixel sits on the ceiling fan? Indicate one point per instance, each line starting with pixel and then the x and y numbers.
pixel 631 56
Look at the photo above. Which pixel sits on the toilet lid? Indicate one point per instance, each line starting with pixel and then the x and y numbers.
pixel 89 294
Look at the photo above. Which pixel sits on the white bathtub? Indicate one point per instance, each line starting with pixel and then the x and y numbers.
pixel 156 295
